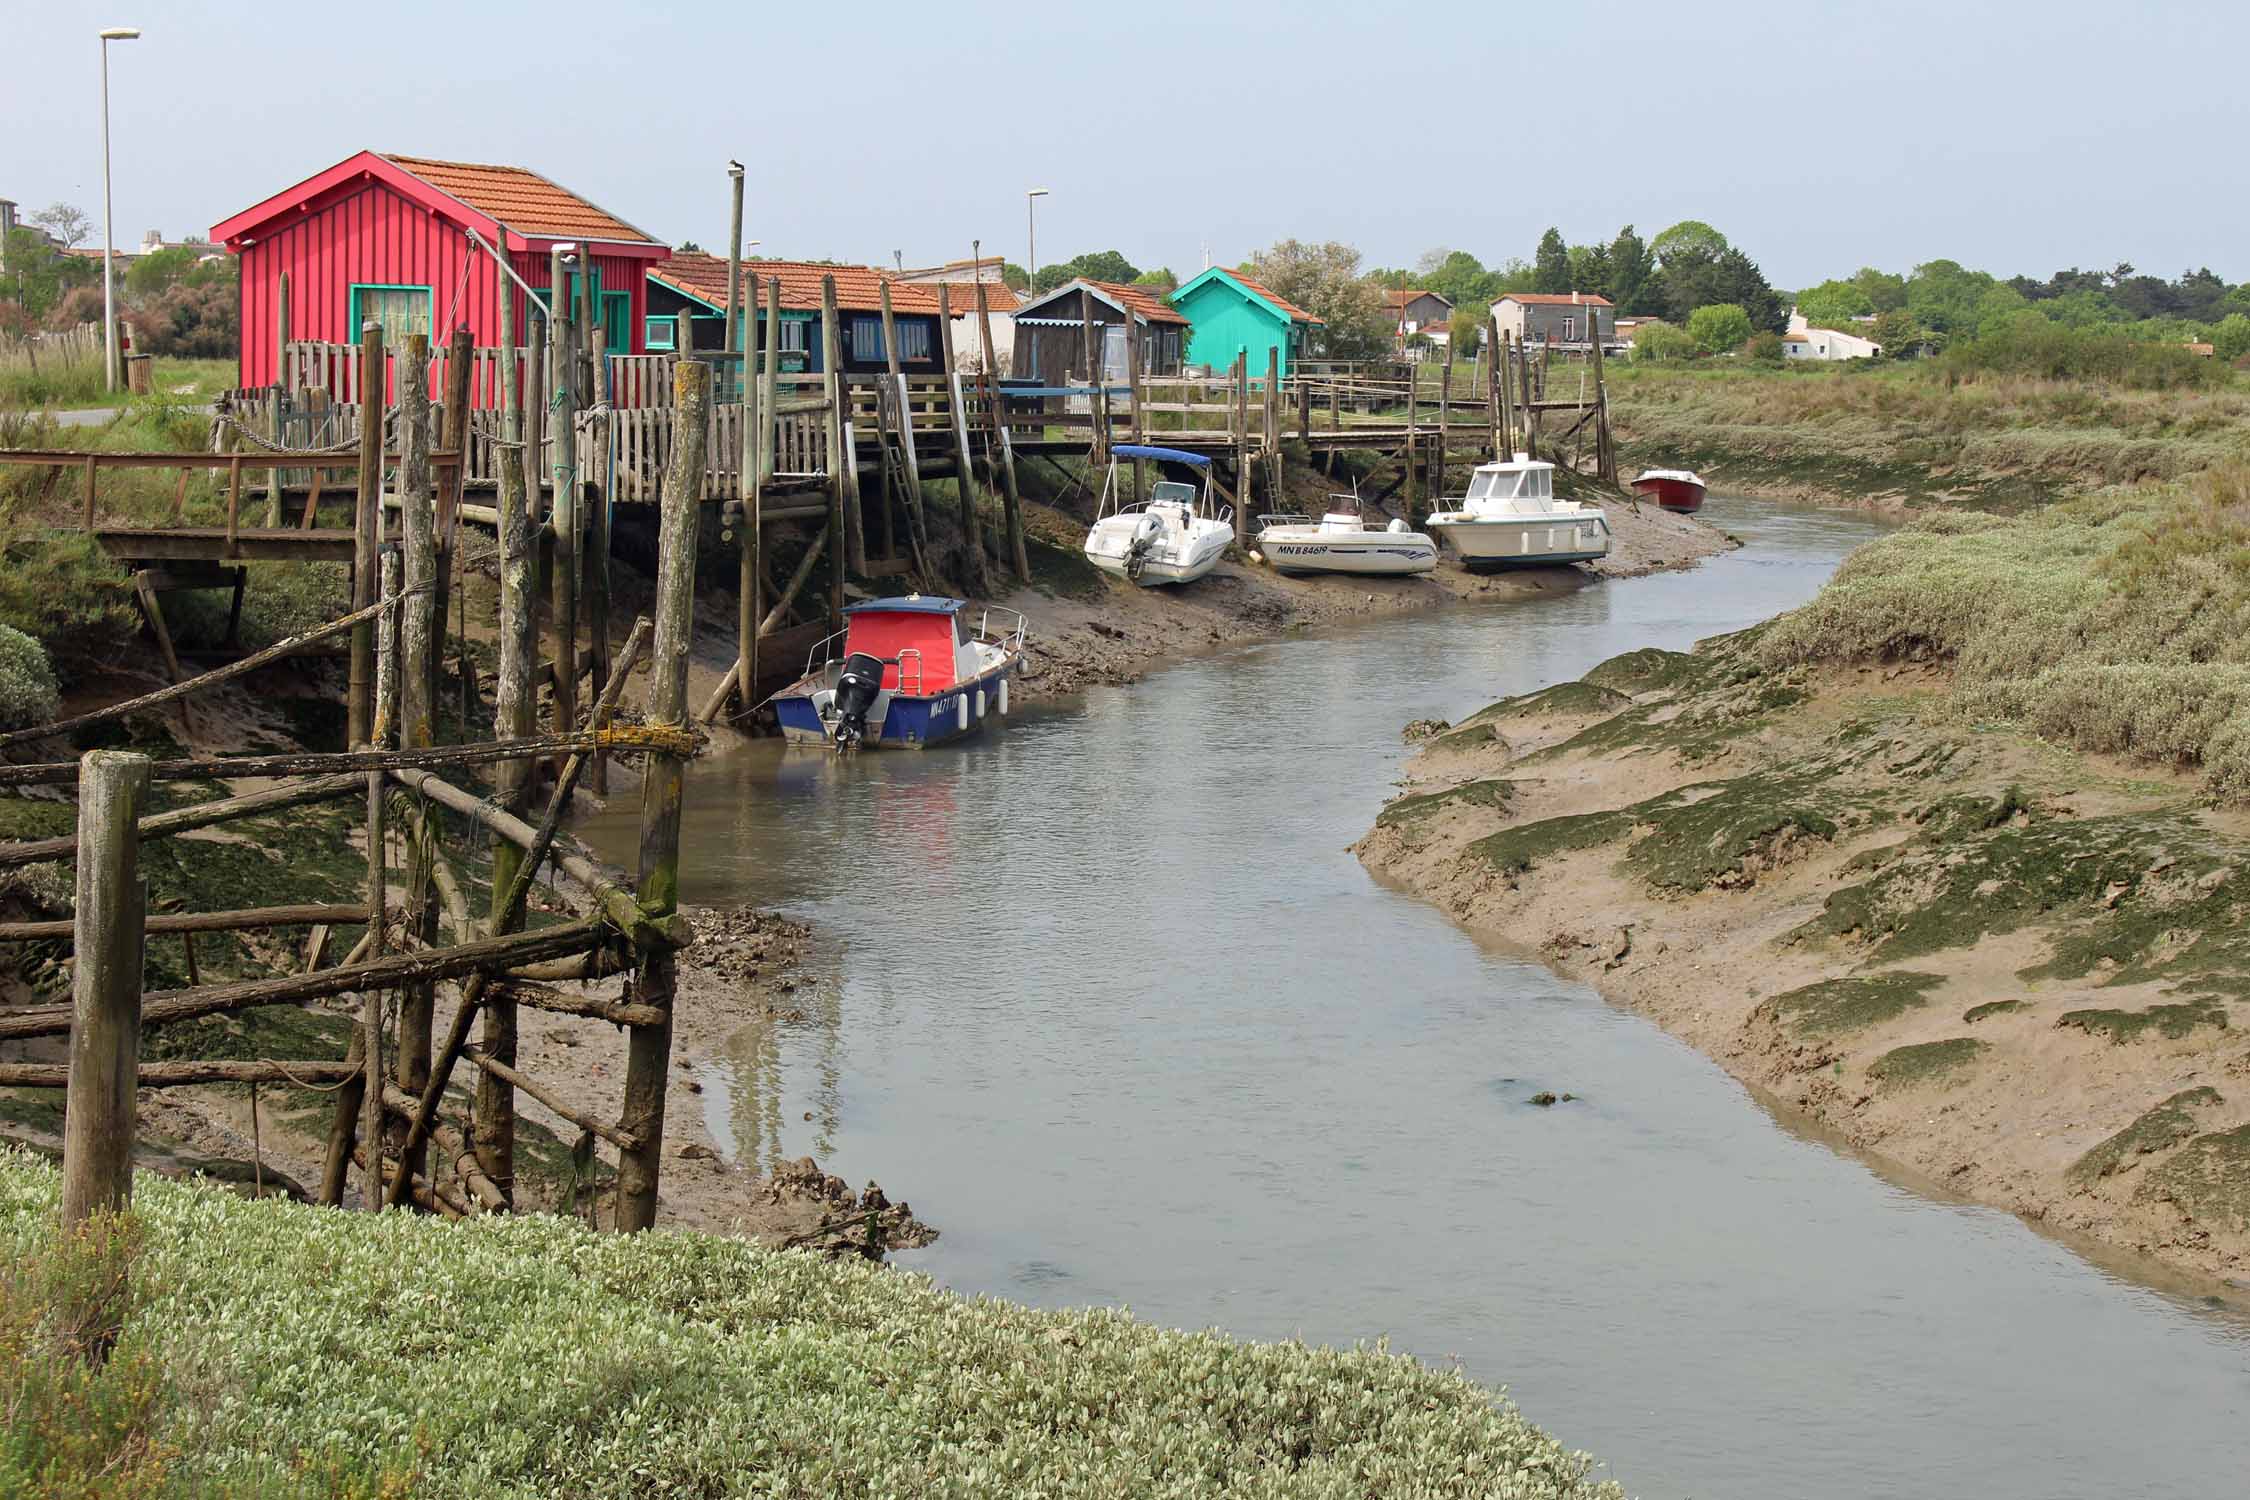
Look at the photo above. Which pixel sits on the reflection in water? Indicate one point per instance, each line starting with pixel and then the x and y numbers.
pixel 1108 996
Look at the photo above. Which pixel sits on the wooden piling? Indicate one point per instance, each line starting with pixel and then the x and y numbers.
pixel 1002 458
pixel 1444 423
pixel 768 430
pixel 1495 389
pixel 1530 416
pixel 105 988
pixel 593 491
pixel 648 1051
pixel 854 553
pixel 563 474
pixel 367 533
pixel 734 272
pixel 974 577
pixel 1243 477
pixel 515 716
pixel 417 719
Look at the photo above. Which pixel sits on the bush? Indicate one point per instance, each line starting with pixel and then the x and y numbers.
pixel 2028 344
pixel 1719 327
pixel 1765 348
pixel 1661 341
pixel 28 693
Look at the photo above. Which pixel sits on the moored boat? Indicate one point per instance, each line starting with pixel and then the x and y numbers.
pixel 1341 542
pixel 1510 518
pixel 904 673
pixel 1674 489
pixel 1175 536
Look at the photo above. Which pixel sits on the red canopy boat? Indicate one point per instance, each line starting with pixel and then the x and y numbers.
pixel 1674 489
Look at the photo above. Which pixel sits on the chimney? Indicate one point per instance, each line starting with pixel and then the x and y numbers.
pixel 1574 298
pixel 151 241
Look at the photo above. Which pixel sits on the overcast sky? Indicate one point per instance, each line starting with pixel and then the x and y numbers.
pixel 1819 137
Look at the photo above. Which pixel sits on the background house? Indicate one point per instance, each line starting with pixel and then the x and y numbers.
pixel 1825 343
pixel 383 238
pixel 1230 312
pixel 1413 310
pixel 961 279
pixel 692 289
pixel 1556 317
pixel 1050 331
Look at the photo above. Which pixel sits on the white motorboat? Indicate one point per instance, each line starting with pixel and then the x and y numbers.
pixel 1511 519
pixel 1175 536
pixel 1341 542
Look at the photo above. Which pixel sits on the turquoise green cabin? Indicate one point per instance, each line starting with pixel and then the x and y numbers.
pixel 1230 313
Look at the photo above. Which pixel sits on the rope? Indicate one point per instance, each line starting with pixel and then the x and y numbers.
pixel 319 1088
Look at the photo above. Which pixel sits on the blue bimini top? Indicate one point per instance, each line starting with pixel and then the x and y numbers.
pixel 1166 455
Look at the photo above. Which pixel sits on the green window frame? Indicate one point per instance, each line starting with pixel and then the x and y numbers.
pixel 392 305
pixel 661 333
pixel 616 311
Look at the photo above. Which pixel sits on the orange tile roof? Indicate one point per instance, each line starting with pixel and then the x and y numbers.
pixel 858 288
pixel 963 293
pixel 1556 299
pixel 1145 301
pixel 521 199
pixel 1397 300
pixel 1287 306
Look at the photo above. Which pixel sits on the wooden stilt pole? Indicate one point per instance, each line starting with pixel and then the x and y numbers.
pixel 563 475
pixel 367 529
pixel 105 987
pixel 1495 389
pixel 853 555
pixel 1003 458
pixel 973 577
pixel 593 489
pixel 417 720
pixel 734 268
pixel 649 1051
pixel 515 716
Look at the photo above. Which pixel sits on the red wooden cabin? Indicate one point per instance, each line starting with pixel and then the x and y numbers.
pixel 384 238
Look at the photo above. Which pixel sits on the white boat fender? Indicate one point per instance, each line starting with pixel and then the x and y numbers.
pixel 1398 527
pixel 1256 556
pixel 980 703
pixel 961 712
pixel 1002 691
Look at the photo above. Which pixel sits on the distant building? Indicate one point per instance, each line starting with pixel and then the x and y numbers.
pixel 1556 317
pixel 1413 310
pixel 961 278
pixel 1231 312
pixel 1801 342
pixel 1050 331
pixel 690 291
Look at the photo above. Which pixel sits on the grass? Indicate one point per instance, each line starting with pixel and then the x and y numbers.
pixel 532 1357
pixel 2119 622
pixel 1998 442
pixel 79 387
pixel 2160 1129
pixel 1831 1007
pixel 1925 1062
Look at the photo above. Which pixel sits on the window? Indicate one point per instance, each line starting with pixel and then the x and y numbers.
pixel 400 309
pixel 793 331
pixel 662 333
pixel 1569 329
pixel 867 337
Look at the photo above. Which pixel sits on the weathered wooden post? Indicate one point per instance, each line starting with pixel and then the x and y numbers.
pixel 972 530
pixel 769 430
pixel 853 554
pixel 649 1052
pixel 897 379
pixel 1529 412
pixel 105 987
pixel 1444 421
pixel 367 531
pixel 372 1132
pixel 460 362
pixel 1243 478
pixel 1138 394
pixel 1605 456
pixel 1495 389
pixel 563 473
pixel 734 266
pixel 417 672
pixel 515 716
pixel 1002 459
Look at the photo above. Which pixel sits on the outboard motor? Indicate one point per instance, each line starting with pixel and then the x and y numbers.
pixel 856 689
pixel 1398 527
pixel 1146 533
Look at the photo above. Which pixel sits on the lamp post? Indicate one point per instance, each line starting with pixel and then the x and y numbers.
pixel 1031 233
pixel 109 239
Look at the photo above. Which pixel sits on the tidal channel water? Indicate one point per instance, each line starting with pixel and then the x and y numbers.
pixel 1106 997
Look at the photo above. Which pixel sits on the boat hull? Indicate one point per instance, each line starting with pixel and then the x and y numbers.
pixel 1162 567
pixel 900 721
pixel 1682 495
pixel 1377 555
pixel 1532 542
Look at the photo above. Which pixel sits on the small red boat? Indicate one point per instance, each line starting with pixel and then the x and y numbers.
pixel 1674 489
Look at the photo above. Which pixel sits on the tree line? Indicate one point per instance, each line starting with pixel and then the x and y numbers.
pixel 181 305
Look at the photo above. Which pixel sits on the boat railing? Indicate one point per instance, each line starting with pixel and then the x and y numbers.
pixel 916 691
pixel 1010 637
pixel 1284 520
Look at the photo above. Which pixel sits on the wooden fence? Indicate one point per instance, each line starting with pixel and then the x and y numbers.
pixel 54 351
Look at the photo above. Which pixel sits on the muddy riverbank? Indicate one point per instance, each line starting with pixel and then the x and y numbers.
pixel 2010 968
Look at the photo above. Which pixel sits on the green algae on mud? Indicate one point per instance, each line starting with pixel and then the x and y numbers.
pixel 1976 1013
pixel 1496 794
pixel 1833 1007
pixel 1926 1062
pixel 2160 1129
pixel 2172 1022
pixel 2209 1178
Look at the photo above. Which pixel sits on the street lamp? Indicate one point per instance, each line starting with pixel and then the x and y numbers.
pixel 109 239
pixel 1031 231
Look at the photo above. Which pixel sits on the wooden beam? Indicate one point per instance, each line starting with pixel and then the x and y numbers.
pixel 243 920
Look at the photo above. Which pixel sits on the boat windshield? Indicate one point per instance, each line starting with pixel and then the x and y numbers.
pixel 1511 484
pixel 1172 490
